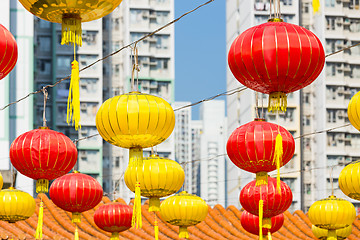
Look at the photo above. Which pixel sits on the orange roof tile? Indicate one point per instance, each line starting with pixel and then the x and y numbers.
pixel 219 224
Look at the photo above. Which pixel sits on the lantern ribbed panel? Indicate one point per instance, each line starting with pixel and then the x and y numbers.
pixel 159 177
pixel 16 205
pixel 275 202
pixel 332 213
pixel 349 180
pixel 250 223
pixel 8 52
pixel 276 57
pixel 354 111
pixel 251 147
pixel 135 120
pixel 341 233
pixel 184 209
pixel 113 217
pixel 43 154
pixel 53 12
pixel 76 192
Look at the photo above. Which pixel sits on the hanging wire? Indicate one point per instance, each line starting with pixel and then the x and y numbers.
pixel 262 106
pixel 45 100
pixel 271 6
pixel 137 68
pixel 132 57
pixel 332 180
pixel 279 12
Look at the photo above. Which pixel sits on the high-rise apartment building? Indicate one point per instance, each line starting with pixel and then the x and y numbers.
pixel 241 15
pixel 183 142
pixel 212 162
pixel 324 103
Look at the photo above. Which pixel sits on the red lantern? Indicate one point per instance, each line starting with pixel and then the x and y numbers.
pixel 43 154
pixel 76 193
pixel 276 58
pixel 274 202
pixel 250 223
pixel 114 218
pixel 8 52
pixel 252 146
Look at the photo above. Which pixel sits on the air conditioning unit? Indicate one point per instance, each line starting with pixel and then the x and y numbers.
pixel 83 107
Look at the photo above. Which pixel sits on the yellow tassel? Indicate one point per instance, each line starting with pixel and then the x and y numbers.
pixel 261 211
pixel 76 234
pixel 269 235
pixel 154 204
pixel 136 159
pixel 76 217
pixel 73 104
pixel 156 228
pixel 183 232
pixel 261 178
pixel 38 234
pixel 71 30
pixel 277 102
pixel 42 186
pixel 114 236
pixel 278 158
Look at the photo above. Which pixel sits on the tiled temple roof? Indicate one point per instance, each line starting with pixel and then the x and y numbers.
pixel 220 224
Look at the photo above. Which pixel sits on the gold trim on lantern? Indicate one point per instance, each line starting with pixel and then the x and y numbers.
pixel 277 102
pixel 275 20
pixel 42 186
pixel 71 29
pixel 76 217
pixel 154 204
pixel 261 178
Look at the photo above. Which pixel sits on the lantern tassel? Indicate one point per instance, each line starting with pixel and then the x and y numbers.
pixel 261 178
pixel 156 228
pixel 76 234
pixel 73 104
pixel 136 158
pixel 183 232
pixel 277 102
pixel 267 225
pixel 114 236
pixel 269 235
pixel 38 234
pixel 71 30
pixel 261 211
pixel 154 204
pixel 278 158
pixel 42 186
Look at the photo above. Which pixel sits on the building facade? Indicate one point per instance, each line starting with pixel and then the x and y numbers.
pixel 212 161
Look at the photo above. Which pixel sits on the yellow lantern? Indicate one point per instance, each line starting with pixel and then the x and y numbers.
pixel 184 210
pixel 135 121
pixel 15 205
pixel 159 177
pixel 332 213
pixel 354 111
pixel 70 13
pixel 349 180
pixel 341 233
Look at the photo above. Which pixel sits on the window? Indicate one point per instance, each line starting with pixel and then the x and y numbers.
pixel 44 66
pixel 330 3
pixel 89 37
pixel 44 43
pixel 330 23
pixel 63 62
pixel 117 161
pixel 331 115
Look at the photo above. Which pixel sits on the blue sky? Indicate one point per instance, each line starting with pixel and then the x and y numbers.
pixel 200 51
